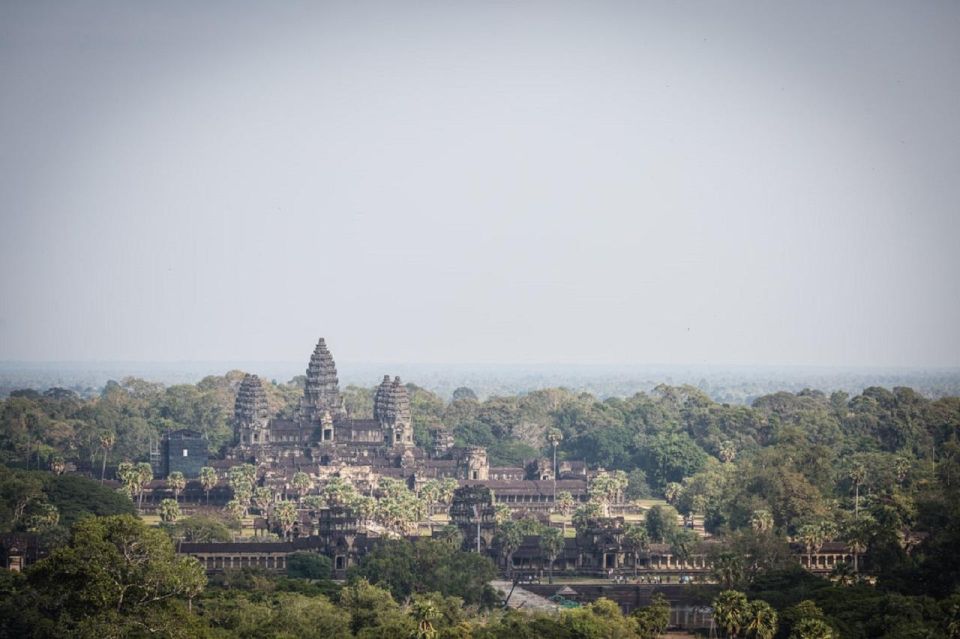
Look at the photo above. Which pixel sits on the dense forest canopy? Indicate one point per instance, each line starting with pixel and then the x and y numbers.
pixel 879 471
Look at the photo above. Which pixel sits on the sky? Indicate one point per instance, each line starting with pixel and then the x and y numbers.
pixel 746 183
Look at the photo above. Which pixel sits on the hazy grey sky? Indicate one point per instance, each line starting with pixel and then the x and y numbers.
pixel 622 182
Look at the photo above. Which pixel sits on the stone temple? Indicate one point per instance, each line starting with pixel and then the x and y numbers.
pixel 325 440
pixel 322 431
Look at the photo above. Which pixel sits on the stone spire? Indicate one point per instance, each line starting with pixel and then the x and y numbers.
pixel 250 411
pixel 391 407
pixel 322 390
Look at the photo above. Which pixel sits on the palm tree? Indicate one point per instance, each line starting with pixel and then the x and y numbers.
pixel 208 480
pixel 58 466
pixel 812 538
pixel 730 611
pixel 425 612
pixel 237 509
pixel 144 475
pixel 169 511
pixel 857 537
pixel 603 489
pixel 551 544
pixel 128 474
pixel 177 482
pixel 564 505
pixel 338 492
pixel 430 493
pixel 363 508
pixel 263 498
pixel 301 483
pixel 842 574
pixel 107 440
pixel 812 628
pixel 509 537
pixel 635 538
pixel 242 481
pixel 760 620
pixel 728 569
pixel 286 516
pixel 447 489
pixel 682 544
pixel 857 475
pixel 554 437
pixel 761 521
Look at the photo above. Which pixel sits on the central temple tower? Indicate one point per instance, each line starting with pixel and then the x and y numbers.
pixel 321 394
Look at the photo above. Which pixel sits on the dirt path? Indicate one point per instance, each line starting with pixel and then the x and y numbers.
pixel 524 599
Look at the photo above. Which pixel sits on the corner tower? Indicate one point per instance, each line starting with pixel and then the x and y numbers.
pixel 391 408
pixel 321 394
pixel 250 413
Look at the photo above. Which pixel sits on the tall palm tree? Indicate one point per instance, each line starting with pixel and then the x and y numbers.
pixel 554 437
pixel 177 482
pixel 286 516
pixel 564 505
pixel 301 483
pixel 551 544
pixel 728 569
pixel 635 538
pixel 509 537
pixel 107 440
pixel 760 620
pixel 812 538
pixel 208 480
pixel 857 538
pixel 263 499
pixel 144 475
pixel 729 611
pixel 857 475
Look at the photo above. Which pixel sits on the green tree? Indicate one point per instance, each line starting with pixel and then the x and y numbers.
pixel 551 544
pixel 661 523
pixel 115 570
pixel 107 441
pixel 208 480
pixel 761 521
pixel 635 539
pixel 144 476
pixel 730 611
pixel 201 529
pixel 308 565
pixel 263 499
pixel 508 538
pixel 177 482
pixel 760 620
pixel 169 511
pixel 727 569
pixel 301 483
pixel 285 514
pixel 652 620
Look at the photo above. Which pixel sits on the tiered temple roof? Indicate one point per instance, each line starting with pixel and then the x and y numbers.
pixel 251 404
pixel 322 390
pixel 391 403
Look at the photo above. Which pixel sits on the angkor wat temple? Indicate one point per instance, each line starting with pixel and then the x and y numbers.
pixel 325 440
